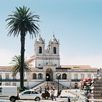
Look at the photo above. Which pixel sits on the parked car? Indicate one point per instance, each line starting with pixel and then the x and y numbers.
pixel 27 94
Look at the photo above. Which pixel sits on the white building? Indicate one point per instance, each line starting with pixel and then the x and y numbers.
pixel 45 66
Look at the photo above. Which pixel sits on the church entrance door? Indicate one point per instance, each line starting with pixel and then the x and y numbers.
pixel 49 74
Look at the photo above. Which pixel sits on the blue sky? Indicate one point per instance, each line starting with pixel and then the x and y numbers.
pixel 76 23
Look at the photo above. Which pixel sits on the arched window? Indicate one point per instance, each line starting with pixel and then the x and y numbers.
pixel 40 76
pixel 64 76
pixel 58 77
pixel 54 50
pixel 40 49
pixel 34 76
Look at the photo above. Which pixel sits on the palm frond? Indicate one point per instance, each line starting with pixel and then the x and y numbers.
pixel 22 18
pixel 16 65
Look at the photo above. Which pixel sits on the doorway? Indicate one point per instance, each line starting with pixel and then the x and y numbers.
pixel 49 74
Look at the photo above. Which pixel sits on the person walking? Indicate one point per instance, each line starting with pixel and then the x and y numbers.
pixel 53 94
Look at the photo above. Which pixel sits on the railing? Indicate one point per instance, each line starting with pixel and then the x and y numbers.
pixel 38 84
pixel 60 85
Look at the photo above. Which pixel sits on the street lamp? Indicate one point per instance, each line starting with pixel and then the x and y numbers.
pixel 58 77
pixel 47 79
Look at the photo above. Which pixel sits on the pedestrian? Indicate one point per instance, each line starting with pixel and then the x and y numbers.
pixel 53 95
pixel 46 90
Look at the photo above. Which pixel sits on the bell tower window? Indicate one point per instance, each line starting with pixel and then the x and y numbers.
pixel 40 49
pixel 54 50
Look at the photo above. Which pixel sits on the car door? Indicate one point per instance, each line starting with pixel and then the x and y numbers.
pixel 34 94
pixel 25 95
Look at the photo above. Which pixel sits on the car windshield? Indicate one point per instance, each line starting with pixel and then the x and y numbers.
pixel 30 92
pixel 27 92
pixel 33 92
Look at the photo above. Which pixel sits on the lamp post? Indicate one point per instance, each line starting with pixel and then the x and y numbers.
pixel 58 77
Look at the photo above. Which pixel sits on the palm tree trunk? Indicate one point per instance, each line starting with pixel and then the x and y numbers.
pixel 22 60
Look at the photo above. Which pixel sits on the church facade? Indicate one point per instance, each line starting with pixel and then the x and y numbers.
pixel 45 67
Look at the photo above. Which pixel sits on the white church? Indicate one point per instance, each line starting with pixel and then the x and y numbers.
pixel 46 68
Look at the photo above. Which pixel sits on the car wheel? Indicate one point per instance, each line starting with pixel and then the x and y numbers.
pixel 13 99
pixel 37 99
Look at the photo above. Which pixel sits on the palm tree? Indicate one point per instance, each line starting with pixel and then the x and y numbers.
pixel 16 65
pixel 22 22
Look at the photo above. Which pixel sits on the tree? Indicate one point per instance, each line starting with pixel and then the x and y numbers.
pixel 22 22
pixel 16 65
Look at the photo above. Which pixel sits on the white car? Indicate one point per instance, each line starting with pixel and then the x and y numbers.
pixel 27 94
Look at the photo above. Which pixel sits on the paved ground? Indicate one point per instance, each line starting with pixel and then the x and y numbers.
pixel 75 96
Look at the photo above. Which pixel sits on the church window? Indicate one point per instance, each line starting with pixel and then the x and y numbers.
pixel 34 76
pixel 64 76
pixel 40 49
pixel 54 50
pixel 40 76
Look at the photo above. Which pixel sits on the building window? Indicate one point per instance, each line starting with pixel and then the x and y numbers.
pixel 75 76
pixel 39 64
pixel 46 63
pixel 89 75
pixel 40 49
pixel 14 84
pixel 54 50
pixel 40 76
pixel 7 84
pixel 7 76
pixel 64 76
pixel 95 75
pixel 34 76
pixel 14 77
pixel 57 76
pixel 82 76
